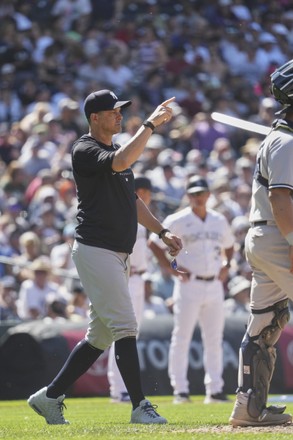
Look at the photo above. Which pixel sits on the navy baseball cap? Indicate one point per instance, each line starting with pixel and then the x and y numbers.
pixel 196 184
pixel 102 100
pixel 142 182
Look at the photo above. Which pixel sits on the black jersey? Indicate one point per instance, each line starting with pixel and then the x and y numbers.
pixel 107 215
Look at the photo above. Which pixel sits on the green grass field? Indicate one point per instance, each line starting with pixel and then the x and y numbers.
pixel 97 418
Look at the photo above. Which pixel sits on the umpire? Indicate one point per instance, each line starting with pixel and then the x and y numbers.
pixel 108 213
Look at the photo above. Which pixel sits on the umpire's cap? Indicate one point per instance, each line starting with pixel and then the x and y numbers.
pixel 102 100
pixel 196 184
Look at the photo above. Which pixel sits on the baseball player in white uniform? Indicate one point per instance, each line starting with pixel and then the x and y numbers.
pixel 198 293
pixel 269 250
pixel 138 266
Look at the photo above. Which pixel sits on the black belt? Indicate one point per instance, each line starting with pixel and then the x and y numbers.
pixel 259 223
pixel 205 278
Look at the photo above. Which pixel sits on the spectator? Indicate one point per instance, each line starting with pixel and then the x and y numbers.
pixel 269 52
pixel 69 117
pixel 44 177
pixel 244 170
pixel 240 226
pixel 152 93
pixel 48 227
pixel 56 308
pixel 78 304
pixel 153 305
pixel 176 64
pixel 14 180
pixel 9 147
pixel 238 297
pixel 44 202
pixel 242 196
pixel 90 74
pixel 71 10
pixel 66 203
pixel 150 54
pixel 168 177
pixel 30 249
pixel 60 256
pixel 34 117
pixel 266 112
pixel 15 210
pixel 8 298
pixel 117 75
pixel 221 146
pixel 10 105
pixel 162 282
pixel 154 146
pixel 33 157
pixel 34 292
pixel 10 245
pixel 204 132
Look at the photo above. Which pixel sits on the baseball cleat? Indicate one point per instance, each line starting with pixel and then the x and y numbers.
pixel 272 415
pixel 50 409
pixel 216 398
pixel 146 413
pixel 181 398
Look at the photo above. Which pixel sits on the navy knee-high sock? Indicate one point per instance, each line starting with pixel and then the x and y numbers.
pixel 128 364
pixel 78 362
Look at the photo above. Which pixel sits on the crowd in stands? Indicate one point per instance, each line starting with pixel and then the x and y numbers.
pixel 212 56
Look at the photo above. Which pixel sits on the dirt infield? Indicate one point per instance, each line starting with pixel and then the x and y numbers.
pixel 283 429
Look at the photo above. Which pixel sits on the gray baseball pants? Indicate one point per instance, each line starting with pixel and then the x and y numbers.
pixel 104 275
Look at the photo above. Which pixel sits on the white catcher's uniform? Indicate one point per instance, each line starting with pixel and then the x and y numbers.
pixel 138 265
pixel 198 300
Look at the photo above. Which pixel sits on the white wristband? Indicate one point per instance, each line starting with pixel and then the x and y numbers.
pixel 289 238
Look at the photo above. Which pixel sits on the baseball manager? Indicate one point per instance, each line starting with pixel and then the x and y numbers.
pixel 108 213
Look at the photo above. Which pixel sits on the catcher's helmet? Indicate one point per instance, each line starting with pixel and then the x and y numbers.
pixel 282 84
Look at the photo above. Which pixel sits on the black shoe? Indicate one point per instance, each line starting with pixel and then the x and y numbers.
pixel 217 398
pixel 123 398
pixel 181 398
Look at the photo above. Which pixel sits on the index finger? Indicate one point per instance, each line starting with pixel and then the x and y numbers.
pixel 165 103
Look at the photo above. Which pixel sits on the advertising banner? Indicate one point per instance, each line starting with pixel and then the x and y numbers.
pixel 32 353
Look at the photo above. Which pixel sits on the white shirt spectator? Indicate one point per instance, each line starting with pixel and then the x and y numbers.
pixel 33 297
pixel 34 293
pixel 269 52
pixel 117 75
